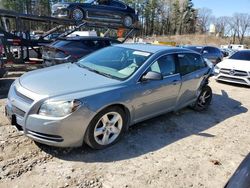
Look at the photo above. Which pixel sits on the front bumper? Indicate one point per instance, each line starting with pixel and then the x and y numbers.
pixel 68 131
pixel 245 80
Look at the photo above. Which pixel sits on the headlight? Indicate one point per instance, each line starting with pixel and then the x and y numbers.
pixel 216 69
pixel 59 108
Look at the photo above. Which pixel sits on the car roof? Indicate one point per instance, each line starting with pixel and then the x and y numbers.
pixel 152 48
pixel 199 46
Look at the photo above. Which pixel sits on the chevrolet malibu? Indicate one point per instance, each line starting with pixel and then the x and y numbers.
pixel 96 99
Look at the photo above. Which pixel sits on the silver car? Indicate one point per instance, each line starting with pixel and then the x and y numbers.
pixel 96 99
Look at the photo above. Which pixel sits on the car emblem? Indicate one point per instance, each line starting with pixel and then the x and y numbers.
pixel 232 72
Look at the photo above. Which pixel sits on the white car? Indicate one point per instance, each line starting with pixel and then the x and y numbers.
pixel 235 69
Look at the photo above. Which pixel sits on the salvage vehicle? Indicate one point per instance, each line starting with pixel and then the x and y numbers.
pixel 96 99
pixel 110 11
pixel 70 49
pixel 211 53
pixel 235 69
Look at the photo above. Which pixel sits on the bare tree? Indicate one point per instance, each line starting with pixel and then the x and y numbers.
pixel 222 25
pixel 204 18
pixel 241 25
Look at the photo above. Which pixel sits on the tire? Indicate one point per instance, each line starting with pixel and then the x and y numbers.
pixel 204 99
pixel 78 14
pixel 100 135
pixel 127 21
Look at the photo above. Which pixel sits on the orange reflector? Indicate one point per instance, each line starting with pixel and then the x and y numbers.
pixel 120 32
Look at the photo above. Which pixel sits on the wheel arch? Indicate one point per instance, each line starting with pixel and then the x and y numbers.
pixel 123 107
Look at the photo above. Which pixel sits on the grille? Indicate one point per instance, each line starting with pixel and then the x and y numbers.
pixel 232 79
pixel 23 97
pixel 234 72
pixel 18 111
pixel 49 137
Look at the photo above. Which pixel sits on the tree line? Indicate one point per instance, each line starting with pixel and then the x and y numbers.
pixel 160 17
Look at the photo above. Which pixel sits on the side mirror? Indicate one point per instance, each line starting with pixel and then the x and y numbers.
pixel 205 52
pixel 151 75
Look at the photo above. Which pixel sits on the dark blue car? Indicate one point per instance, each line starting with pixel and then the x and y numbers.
pixel 108 11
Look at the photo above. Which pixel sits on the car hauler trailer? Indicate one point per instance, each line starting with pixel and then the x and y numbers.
pixel 18 43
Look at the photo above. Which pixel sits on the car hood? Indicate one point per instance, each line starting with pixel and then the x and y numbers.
pixel 235 64
pixel 64 79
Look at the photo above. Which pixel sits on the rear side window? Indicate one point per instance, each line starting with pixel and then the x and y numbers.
pixel 190 62
pixel 117 4
pixel 68 44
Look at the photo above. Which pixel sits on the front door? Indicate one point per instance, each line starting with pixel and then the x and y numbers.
pixel 156 97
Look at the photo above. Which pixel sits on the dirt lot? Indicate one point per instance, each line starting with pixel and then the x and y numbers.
pixel 185 149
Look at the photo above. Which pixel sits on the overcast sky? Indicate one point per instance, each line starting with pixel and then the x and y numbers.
pixel 224 7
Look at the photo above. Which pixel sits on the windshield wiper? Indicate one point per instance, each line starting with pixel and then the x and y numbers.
pixel 96 71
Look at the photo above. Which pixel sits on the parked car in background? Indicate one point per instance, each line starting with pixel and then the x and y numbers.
pixel 70 49
pixel 109 11
pixel 227 52
pixel 235 69
pixel 209 52
pixel 52 36
pixel 96 99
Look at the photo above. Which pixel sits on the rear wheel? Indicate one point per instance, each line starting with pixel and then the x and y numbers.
pixel 77 14
pixel 106 128
pixel 127 21
pixel 204 100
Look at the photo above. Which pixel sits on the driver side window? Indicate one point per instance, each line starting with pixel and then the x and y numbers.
pixel 165 65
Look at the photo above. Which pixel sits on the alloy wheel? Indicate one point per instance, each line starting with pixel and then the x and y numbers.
pixel 204 98
pixel 77 15
pixel 108 128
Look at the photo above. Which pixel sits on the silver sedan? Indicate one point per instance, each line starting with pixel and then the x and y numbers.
pixel 96 99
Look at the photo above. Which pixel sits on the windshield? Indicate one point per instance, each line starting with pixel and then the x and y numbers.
pixel 115 62
pixel 89 1
pixel 194 48
pixel 241 55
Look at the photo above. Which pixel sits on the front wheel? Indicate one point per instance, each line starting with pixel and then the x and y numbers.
pixel 204 100
pixel 106 128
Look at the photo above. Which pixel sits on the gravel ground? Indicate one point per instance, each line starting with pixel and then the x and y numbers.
pixel 184 149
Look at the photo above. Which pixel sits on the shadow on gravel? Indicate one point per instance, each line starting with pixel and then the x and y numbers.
pixel 5 86
pixel 157 133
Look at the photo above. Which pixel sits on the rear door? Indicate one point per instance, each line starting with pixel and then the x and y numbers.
pixel 156 97
pixel 106 11
pixel 193 70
